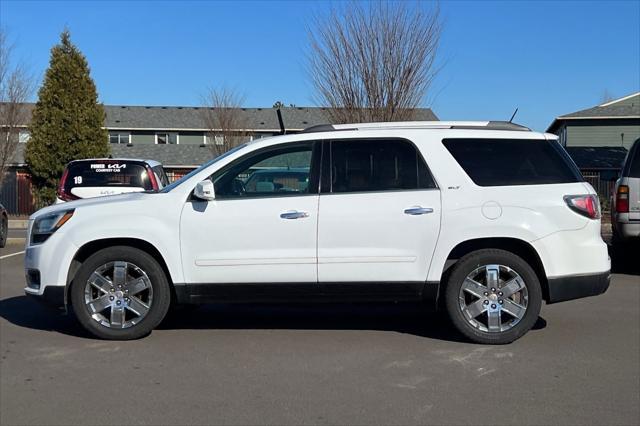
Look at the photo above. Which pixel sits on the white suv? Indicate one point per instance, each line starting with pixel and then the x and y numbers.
pixel 485 219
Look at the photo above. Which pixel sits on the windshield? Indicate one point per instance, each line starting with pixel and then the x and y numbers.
pixel 204 166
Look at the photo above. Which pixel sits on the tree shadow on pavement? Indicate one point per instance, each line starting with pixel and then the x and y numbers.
pixel 405 318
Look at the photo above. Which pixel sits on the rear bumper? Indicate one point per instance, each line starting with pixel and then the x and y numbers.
pixel 628 230
pixel 572 253
pixel 577 286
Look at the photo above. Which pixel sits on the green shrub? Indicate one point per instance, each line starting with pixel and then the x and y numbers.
pixel 67 120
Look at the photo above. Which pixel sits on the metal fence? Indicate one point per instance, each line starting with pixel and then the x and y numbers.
pixel 604 187
pixel 16 195
pixel 175 174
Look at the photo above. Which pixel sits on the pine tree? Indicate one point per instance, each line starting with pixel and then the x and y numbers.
pixel 67 120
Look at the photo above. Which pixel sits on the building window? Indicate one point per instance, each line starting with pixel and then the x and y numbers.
pixel 119 137
pixel 216 139
pixel 166 138
pixel 261 135
pixel 24 136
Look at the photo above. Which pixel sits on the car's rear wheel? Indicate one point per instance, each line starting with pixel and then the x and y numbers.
pixel 493 296
pixel 120 293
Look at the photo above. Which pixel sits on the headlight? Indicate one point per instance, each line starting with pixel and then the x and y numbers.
pixel 45 226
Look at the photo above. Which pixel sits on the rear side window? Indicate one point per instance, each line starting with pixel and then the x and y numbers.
pixel 377 165
pixel 106 174
pixel 503 162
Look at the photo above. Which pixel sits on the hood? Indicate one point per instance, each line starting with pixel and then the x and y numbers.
pixel 96 201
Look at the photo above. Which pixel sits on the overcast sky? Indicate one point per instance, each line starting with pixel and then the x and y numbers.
pixel 546 58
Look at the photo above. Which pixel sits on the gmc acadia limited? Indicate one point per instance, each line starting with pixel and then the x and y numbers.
pixel 484 219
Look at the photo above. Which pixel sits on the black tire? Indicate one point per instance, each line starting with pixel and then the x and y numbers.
pixel 477 259
pixel 4 230
pixel 617 242
pixel 160 286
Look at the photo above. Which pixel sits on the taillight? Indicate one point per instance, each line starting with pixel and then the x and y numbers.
pixel 62 194
pixel 622 199
pixel 586 205
pixel 152 179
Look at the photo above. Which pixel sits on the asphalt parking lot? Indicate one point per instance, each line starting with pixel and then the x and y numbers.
pixel 380 364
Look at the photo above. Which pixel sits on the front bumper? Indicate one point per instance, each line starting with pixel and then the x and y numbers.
pixel 577 286
pixel 46 268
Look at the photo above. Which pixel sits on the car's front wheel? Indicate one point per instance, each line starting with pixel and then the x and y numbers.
pixel 120 293
pixel 493 296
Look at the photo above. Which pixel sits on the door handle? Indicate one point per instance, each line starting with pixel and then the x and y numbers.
pixel 417 210
pixel 294 214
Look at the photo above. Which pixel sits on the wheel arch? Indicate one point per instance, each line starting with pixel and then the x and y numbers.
pixel 516 246
pixel 92 247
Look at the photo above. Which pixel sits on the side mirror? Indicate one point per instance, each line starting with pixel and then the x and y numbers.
pixel 204 190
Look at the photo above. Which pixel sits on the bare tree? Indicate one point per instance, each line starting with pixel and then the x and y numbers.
pixel 15 88
pixel 226 122
pixel 606 97
pixel 373 61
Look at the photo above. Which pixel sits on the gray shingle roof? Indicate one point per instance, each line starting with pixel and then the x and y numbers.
pixel 181 118
pixel 628 109
pixel 192 118
pixel 597 158
pixel 168 155
pixel 607 111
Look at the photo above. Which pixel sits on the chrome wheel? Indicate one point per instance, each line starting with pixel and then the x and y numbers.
pixel 493 298
pixel 118 294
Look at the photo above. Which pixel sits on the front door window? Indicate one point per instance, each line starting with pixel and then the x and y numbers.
pixel 275 172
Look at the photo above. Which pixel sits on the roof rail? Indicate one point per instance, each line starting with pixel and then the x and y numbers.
pixel 319 128
pixel 471 125
pixel 497 125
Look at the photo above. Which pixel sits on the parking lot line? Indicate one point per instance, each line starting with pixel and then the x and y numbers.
pixel 10 255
